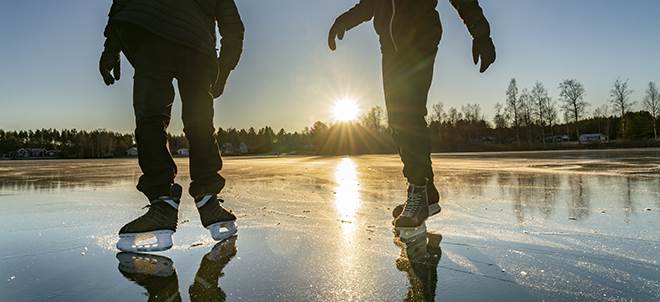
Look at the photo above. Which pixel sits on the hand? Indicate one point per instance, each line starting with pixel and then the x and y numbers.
pixel 336 31
pixel 110 67
pixel 219 86
pixel 483 48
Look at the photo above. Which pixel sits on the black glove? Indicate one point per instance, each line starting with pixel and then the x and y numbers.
pixel 485 49
pixel 110 66
pixel 219 86
pixel 337 31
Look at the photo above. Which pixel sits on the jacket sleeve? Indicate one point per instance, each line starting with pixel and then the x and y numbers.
pixel 232 32
pixel 361 12
pixel 473 17
pixel 112 43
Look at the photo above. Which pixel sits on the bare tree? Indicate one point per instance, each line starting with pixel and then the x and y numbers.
pixel 472 112
pixel 373 119
pixel 620 100
pixel 438 112
pixel 501 117
pixel 526 113
pixel 572 97
pixel 540 101
pixel 652 105
pixel 453 116
pixel 513 107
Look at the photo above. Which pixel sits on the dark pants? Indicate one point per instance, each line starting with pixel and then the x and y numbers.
pixel 407 76
pixel 157 63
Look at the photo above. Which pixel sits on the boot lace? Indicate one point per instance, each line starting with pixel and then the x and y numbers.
pixel 414 203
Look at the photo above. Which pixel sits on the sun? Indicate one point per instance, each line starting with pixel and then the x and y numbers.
pixel 345 110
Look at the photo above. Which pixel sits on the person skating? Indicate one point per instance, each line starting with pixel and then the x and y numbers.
pixel 163 41
pixel 410 32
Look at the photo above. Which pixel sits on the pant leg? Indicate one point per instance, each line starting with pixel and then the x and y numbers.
pixel 195 74
pixel 153 96
pixel 407 76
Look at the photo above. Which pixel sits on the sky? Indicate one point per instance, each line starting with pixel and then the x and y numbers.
pixel 288 78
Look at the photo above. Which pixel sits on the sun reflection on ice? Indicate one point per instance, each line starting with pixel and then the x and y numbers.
pixel 347 198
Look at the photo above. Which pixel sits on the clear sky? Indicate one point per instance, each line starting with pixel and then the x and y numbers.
pixel 288 78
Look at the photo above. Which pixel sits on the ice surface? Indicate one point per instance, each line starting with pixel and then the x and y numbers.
pixel 553 226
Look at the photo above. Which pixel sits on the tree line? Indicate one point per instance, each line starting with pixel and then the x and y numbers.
pixel 528 119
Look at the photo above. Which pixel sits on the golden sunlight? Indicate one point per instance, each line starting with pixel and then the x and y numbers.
pixel 345 110
pixel 347 199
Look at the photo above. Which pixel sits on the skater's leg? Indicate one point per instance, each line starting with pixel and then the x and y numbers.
pixel 407 80
pixel 153 96
pixel 195 76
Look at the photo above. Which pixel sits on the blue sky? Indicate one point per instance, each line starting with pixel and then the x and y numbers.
pixel 287 76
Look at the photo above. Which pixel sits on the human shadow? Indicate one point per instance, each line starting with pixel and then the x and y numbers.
pixel 157 275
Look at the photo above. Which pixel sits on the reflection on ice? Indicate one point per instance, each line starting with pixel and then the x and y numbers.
pixel 347 197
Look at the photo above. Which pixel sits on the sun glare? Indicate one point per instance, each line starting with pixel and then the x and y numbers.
pixel 345 110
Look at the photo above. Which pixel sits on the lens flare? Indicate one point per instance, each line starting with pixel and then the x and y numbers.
pixel 345 110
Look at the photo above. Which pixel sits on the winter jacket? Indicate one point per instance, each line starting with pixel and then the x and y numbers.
pixel 412 23
pixel 189 22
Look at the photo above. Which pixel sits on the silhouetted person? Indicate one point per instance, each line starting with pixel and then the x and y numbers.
pixel 166 40
pixel 410 32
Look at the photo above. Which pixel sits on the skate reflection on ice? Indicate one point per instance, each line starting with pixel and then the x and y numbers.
pixel 347 198
pixel 419 259
pixel 157 275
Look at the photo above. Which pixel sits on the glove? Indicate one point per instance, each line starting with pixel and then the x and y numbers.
pixel 219 86
pixel 110 67
pixel 337 31
pixel 483 48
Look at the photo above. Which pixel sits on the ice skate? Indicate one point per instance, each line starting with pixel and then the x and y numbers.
pixel 415 212
pixel 434 202
pixel 220 222
pixel 156 274
pixel 152 232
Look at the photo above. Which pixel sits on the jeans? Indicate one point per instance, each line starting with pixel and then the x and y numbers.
pixel 407 76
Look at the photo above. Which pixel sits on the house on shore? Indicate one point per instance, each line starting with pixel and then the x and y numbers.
pixel 593 138
pixel 132 152
pixel 183 152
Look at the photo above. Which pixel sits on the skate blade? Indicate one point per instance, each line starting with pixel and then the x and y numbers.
pixel 410 234
pixel 223 230
pixel 152 265
pixel 157 241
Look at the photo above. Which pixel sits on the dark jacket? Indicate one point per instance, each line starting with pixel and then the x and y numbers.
pixel 188 22
pixel 412 23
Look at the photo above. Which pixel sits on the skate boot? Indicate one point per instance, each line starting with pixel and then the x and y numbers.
pixel 210 269
pixel 220 222
pixel 152 232
pixel 411 222
pixel 434 202
pixel 154 273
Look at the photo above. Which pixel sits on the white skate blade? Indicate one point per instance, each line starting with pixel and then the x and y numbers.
pixel 223 230
pixel 434 209
pixel 407 234
pixel 152 265
pixel 156 241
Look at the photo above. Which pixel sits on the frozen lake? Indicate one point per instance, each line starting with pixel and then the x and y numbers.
pixel 541 226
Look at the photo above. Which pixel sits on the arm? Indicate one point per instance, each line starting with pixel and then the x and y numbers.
pixel 361 12
pixel 473 17
pixel 479 28
pixel 109 65
pixel 232 33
